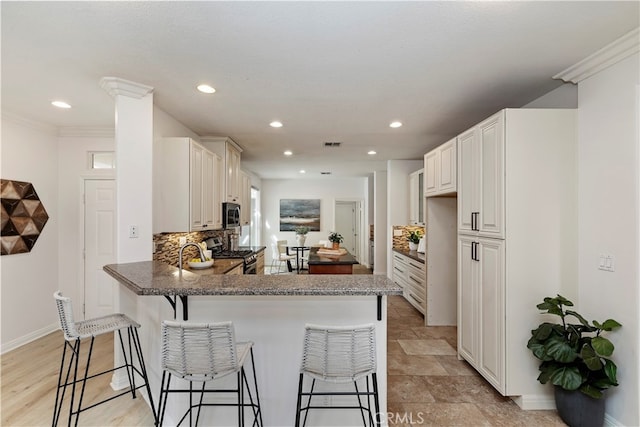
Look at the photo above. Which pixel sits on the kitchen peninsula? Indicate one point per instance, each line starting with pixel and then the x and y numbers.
pixel 269 310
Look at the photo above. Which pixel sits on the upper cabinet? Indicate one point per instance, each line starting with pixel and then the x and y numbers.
pixel 228 150
pixel 245 199
pixel 186 186
pixel 416 194
pixel 440 170
pixel 481 188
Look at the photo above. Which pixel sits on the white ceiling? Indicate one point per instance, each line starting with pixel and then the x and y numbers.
pixel 330 71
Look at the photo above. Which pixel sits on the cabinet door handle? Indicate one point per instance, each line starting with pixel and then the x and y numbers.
pixel 477 253
pixel 474 251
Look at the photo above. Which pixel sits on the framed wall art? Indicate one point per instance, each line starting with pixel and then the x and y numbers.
pixel 297 212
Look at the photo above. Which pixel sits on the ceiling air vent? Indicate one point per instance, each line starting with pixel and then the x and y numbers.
pixel 332 144
pixel 325 173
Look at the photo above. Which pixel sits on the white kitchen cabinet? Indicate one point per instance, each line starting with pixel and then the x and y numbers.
pixel 186 191
pixel 482 168
pixel 517 171
pixel 440 165
pixel 230 152
pixel 245 199
pixel 410 275
pixel 416 195
pixel 482 310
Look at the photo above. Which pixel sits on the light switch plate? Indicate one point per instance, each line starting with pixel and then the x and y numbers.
pixel 397 233
pixel 606 263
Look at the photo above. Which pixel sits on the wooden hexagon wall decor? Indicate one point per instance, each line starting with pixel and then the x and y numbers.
pixel 23 217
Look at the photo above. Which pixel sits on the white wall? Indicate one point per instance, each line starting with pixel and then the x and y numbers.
pixel 565 96
pixel 608 115
pixel 327 190
pixel 398 196
pixel 29 153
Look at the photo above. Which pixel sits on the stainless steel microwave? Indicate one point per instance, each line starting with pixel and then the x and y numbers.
pixel 230 215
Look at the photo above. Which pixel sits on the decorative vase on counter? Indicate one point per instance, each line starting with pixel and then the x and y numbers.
pixel 300 239
pixel 335 245
pixel 413 246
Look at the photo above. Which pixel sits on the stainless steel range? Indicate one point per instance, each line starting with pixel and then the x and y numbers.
pixel 249 257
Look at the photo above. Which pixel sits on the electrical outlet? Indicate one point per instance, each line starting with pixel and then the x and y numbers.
pixel 133 231
pixel 182 240
pixel 397 233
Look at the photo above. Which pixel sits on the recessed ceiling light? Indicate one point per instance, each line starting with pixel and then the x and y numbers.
pixel 288 153
pixel 303 171
pixel 371 153
pixel 275 124
pixel 206 88
pixel 60 104
pixel 395 124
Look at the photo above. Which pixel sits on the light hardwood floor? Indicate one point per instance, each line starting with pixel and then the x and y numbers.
pixel 427 385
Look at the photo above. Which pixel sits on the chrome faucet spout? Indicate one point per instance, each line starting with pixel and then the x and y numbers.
pixel 202 257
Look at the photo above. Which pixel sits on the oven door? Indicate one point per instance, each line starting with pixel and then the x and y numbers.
pixel 250 268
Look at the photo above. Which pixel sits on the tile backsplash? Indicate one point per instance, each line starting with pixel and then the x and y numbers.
pixel 168 244
pixel 401 242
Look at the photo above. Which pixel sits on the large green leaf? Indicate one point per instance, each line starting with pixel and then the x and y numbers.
pixel 562 300
pixel 560 350
pixel 590 358
pixel 603 346
pixel 591 391
pixel 538 349
pixel 567 377
pixel 611 370
pixel 543 331
pixel 608 325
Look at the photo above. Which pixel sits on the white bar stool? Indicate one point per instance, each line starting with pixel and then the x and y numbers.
pixel 201 352
pixel 74 333
pixel 340 354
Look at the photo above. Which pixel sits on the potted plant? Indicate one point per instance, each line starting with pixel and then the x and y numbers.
pixel 301 234
pixel 576 360
pixel 336 239
pixel 414 239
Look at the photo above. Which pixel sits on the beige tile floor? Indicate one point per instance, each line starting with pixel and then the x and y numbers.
pixel 429 386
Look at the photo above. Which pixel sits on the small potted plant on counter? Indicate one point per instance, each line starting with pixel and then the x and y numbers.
pixel 301 234
pixel 414 239
pixel 575 359
pixel 336 239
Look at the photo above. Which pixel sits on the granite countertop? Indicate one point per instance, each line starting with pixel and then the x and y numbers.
pixel 158 278
pixel 418 256
pixel 220 266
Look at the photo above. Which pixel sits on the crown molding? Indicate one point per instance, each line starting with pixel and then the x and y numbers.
pixel 612 53
pixel 86 132
pixel 32 124
pixel 226 139
pixel 116 86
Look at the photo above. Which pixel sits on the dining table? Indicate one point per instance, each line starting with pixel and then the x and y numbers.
pixel 299 257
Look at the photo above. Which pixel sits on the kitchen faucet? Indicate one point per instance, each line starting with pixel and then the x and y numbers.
pixel 202 257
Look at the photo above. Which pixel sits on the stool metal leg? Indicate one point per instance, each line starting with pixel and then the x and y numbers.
pixel 375 398
pixel 143 369
pixel 299 406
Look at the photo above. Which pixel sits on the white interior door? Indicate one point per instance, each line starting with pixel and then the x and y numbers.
pixel 99 246
pixel 347 225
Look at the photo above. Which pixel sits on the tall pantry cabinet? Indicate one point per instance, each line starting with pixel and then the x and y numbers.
pixel 517 226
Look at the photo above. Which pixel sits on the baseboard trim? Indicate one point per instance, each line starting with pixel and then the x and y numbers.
pixel 609 421
pixel 532 402
pixel 26 339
